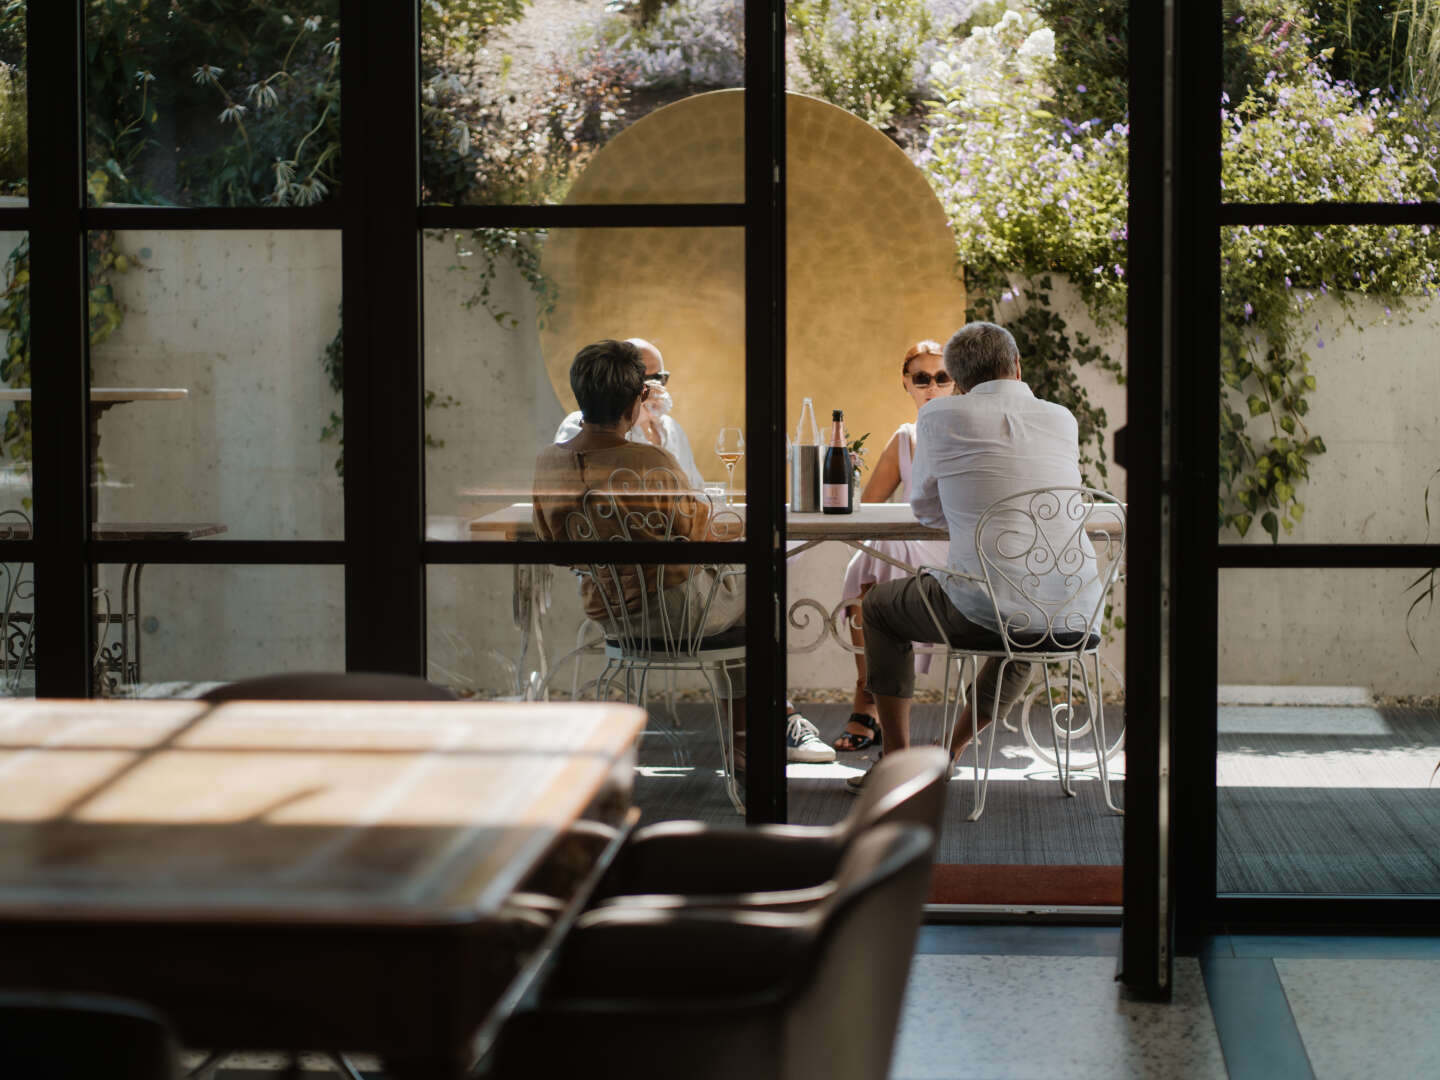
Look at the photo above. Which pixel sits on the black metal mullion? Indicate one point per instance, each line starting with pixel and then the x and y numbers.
pixel 1195 345
pixel 764 398
pixel 1328 556
pixel 171 218
pixel 1381 914
pixel 384 468
pixel 59 364
pixel 597 215
pixel 217 552
pixel 1145 960
pixel 1329 213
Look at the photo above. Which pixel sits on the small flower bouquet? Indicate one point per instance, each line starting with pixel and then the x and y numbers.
pixel 857 461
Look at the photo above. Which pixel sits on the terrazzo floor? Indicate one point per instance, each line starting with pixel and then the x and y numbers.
pixel 1038 1002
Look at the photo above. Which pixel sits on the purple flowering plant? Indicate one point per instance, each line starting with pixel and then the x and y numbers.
pixel 999 137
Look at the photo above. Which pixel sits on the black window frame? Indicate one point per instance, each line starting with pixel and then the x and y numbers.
pixel 380 219
pixel 1195 291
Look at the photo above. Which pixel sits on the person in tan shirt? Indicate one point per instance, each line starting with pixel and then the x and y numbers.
pixel 598 485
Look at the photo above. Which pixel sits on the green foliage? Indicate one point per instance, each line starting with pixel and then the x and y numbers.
pixel 1415 35
pixel 494 248
pixel 1427 584
pixel 1030 194
pixel 103 262
pixel 1300 134
pixel 14 128
pixel 1090 78
pixel 480 146
pixel 249 93
pixel 863 55
pixel 1026 191
pixel 1032 188
pixel 480 253
pixel 15 364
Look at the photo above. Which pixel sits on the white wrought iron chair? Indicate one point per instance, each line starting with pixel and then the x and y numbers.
pixel 642 634
pixel 1048 557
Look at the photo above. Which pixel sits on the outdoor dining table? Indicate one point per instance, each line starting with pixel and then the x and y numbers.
pixel 868 523
pixel 102 399
pixel 322 875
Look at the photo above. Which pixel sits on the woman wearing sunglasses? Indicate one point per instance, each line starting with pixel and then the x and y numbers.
pixel 923 376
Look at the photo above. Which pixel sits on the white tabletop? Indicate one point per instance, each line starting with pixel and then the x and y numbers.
pixel 869 521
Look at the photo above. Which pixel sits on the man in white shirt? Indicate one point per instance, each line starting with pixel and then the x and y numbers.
pixel 656 426
pixel 993 440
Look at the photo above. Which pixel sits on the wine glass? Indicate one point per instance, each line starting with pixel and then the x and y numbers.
pixel 730 448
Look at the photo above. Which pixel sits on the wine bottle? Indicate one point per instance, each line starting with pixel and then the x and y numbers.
pixel 837 496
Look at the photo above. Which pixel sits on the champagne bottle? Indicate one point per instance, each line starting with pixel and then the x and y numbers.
pixel 837 495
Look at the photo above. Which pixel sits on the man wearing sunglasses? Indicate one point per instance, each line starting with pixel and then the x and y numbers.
pixel 656 427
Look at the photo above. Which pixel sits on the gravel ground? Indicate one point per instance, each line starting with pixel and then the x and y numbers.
pixel 548 30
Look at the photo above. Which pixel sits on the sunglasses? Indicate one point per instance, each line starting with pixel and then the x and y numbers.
pixel 922 379
pixel 662 377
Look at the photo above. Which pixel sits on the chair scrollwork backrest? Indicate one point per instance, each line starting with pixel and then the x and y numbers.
pixel 1049 557
pixel 17 619
pixel 652 505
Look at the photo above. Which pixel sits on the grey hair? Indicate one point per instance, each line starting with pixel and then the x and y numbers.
pixel 979 352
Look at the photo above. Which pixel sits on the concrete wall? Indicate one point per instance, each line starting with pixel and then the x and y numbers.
pixel 241 320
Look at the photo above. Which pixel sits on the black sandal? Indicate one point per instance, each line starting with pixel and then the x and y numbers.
pixel 855 740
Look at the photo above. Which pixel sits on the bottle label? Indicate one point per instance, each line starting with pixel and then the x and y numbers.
pixel 835 495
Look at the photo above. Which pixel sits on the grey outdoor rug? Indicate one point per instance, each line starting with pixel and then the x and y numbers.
pixel 1026 819
pixel 1328 800
pixel 1311 799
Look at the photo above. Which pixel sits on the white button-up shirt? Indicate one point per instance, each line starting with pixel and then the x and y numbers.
pixel 672 440
pixel 974 449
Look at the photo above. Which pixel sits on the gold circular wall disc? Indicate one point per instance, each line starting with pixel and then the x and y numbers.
pixel 869 254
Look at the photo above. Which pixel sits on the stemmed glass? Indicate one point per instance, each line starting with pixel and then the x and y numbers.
pixel 730 448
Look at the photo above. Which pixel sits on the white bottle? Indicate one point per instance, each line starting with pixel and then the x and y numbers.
pixel 807 432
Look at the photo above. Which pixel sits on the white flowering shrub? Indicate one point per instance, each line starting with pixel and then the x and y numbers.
pixel 1026 191
pixel 867 56
pixel 688 44
pixel 1031 191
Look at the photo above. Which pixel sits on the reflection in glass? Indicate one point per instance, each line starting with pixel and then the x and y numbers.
pixel 229 103
pixel 14 101
pixel 1329 733
pixel 512 111
pixel 506 313
pixel 1328 383
pixel 215 381
pixel 175 631
pixel 1330 102
pixel 17 615
pixel 546 647
pixel 15 380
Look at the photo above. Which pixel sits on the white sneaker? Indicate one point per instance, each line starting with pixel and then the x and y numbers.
pixel 803 742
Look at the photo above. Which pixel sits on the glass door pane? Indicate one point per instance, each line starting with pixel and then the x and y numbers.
pixel 952 164
pixel 1329 734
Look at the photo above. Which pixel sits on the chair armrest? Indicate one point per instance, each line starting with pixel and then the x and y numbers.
pixel 782 900
pixel 620 953
pixel 688 858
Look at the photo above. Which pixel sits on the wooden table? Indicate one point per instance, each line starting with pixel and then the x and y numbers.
pixel 297 875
